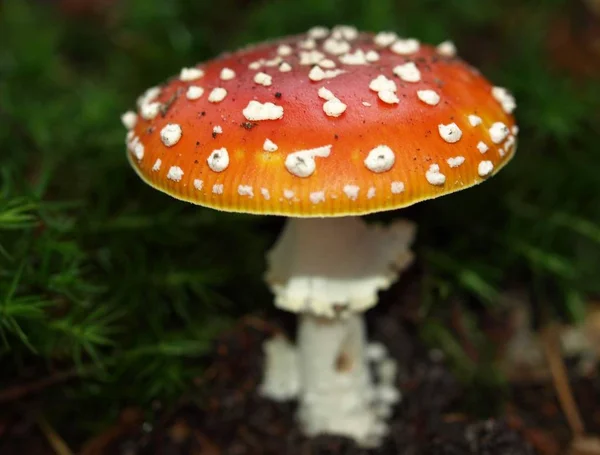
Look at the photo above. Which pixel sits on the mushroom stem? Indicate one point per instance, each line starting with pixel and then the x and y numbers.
pixel 337 391
pixel 329 270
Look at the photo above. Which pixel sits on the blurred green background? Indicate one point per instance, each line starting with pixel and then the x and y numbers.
pixel 105 279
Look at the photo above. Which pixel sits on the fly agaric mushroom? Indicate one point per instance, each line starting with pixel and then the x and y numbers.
pixel 321 128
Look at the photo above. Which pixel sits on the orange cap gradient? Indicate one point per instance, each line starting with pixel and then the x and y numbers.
pixel 329 123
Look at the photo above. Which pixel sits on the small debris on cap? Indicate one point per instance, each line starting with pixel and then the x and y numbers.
pixel 217 129
pixel 451 133
pixel 170 134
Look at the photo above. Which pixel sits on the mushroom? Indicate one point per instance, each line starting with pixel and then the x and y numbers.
pixel 321 128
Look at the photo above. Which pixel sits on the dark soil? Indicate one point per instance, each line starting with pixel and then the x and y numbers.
pixel 227 417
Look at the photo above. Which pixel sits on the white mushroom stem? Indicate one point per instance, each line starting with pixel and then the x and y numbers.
pixel 330 271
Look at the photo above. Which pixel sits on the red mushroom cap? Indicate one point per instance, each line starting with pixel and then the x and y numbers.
pixel 328 123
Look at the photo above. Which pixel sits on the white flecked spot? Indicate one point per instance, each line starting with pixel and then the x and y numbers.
pixel 358 57
pixel 284 50
pixel 309 58
pixel 258 111
pixel 372 56
pixel 148 96
pixel 227 74
pixel 308 43
pixel 482 147
pixel 217 129
pixel 190 74
pixel 382 83
pixel 256 64
pixel 351 191
pixel 455 161
pixel 194 92
pixel 285 67
pixel 150 110
pixel 302 163
pixel 138 151
pixel 170 134
pixel 318 32
pixel 510 141
pixel 288 194
pixel 218 160
pixel 384 39
pixel 316 74
pixel 217 95
pixel 498 132
pixel 348 32
pixel 505 98
pixel 198 184
pixel 387 96
pixel 156 166
pixel 334 107
pixel 217 188
pixel 245 190
pixel 129 119
pixel 405 46
pixel 317 196
pixel 428 97
pixel 446 48
pixel 474 120
pixel 408 72
pixel 451 133
pixel 434 176
pixel 336 46
pixel 269 146
pixel 515 130
pixel 175 173
pixel 263 79
pixel 485 168
pixel 380 159
pixel 371 193
pixel 325 94
pixel 397 187
pixel 327 63
pixel 265 193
